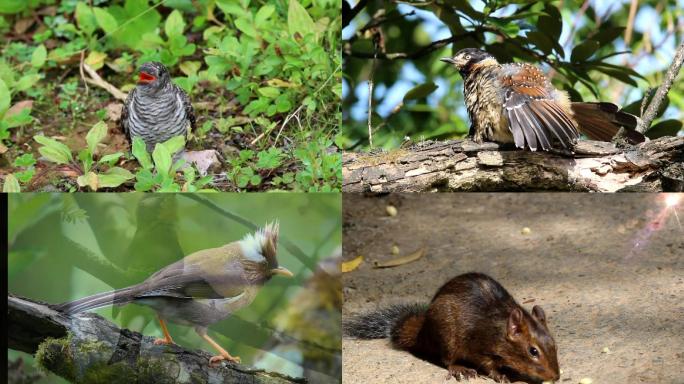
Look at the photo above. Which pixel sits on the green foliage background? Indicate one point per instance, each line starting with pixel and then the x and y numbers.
pixel 63 247
pixel 254 64
pixel 596 62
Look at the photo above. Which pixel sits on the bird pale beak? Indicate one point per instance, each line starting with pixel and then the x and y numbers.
pixel 448 60
pixel 282 271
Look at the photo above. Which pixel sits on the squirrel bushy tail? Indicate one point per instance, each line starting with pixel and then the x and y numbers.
pixel 400 323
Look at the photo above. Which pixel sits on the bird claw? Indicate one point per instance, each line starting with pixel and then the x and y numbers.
pixel 219 358
pixel 162 342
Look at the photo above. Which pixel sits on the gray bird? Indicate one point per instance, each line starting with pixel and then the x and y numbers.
pixel 202 288
pixel 156 109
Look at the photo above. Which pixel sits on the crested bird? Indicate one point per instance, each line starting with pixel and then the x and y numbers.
pixel 516 103
pixel 156 109
pixel 202 288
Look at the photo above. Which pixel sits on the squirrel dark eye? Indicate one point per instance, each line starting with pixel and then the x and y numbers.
pixel 534 352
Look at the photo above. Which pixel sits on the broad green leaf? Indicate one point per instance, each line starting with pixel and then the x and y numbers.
pixel 584 51
pixel 420 91
pixel 95 135
pixel 552 23
pixel 299 20
pixel 270 92
pixel 162 159
pixel 664 128
pixel 4 98
pixel 190 68
pixel 115 177
pixel 145 181
pixel 39 56
pixel 174 144
pixel 175 24
pixel 246 27
pixel 11 184
pixel 53 150
pixel 90 180
pixel 27 81
pixel 85 18
pixel 105 20
pixel 112 157
pixel 140 153
pixel 262 15
pixel 13 6
pixel 96 59
pixel 541 41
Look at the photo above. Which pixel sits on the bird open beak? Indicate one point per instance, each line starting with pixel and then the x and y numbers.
pixel 282 271
pixel 448 60
pixel 145 78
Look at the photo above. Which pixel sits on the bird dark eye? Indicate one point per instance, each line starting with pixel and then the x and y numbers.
pixel 467 57
pixel 534 352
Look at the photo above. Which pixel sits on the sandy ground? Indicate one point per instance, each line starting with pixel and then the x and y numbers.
pixel 607 269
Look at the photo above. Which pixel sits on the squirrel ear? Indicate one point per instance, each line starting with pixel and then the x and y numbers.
pixel 538 313
pixel 515 324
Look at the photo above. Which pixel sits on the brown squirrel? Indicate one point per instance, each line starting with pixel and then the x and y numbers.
pixel 472 325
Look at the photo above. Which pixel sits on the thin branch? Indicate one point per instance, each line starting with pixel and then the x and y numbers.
pixel 95 79
pixel 435 45
pixel 664 88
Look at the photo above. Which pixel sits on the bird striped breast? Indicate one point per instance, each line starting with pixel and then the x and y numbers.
pixel 157 118
pixel 483 102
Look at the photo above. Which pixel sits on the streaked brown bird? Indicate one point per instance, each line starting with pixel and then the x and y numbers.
pixel 516 103
pixel 201 289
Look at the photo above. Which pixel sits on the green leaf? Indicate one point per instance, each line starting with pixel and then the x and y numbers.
pixel 111 158
pixel 299 20
pixel 270 92
pixel 53 150
pixel 162 159
pixel 420 91
pixel 140 153
pixel 584 51
pixel 39 56
pixel 174 144
pixel 105 20
pixel 95 135
pixel 145 181
pixel 25 160
pixel 4 98
pixel 552 25
pixel 85 18
pixel 115 177
pixel 246 27
pixel 13 6
pixel 541 41
pixel 11 184
pixel 262 15
pixel 26 82
pixel 664 128
pixel 175 24
pixel 606 35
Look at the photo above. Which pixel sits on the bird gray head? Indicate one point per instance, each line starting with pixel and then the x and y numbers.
pixel 153 76
pixel 464 59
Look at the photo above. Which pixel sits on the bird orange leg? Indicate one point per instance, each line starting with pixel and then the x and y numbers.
pixel 224 355
pixel 167 337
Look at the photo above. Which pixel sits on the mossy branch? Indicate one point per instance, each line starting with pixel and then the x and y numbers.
pixel 87 348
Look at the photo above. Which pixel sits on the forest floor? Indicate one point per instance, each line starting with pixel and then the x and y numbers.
pixel 607 269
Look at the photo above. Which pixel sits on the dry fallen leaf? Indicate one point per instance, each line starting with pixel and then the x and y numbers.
pixel 348 266
pixel 400 260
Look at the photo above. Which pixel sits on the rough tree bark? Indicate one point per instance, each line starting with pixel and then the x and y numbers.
pixel 463 165
pixel 87 348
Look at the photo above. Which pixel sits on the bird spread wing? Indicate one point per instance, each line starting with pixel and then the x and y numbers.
pixel 534 117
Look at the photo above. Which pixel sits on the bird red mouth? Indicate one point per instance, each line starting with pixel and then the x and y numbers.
pixel 146 78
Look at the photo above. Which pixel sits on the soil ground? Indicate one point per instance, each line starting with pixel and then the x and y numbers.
pixel 607 269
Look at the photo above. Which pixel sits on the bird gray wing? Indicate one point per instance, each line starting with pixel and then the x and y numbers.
pixel 189 110
pixel 123 122
pixel 184 280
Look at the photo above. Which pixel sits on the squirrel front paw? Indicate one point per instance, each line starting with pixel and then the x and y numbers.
pixel 460 372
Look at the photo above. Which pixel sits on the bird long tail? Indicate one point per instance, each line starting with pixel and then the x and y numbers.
pixel 602 121
pixel 401 323
pixel 117 297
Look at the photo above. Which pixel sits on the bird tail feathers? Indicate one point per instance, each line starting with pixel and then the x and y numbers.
pixel 602 121
pixel 117 297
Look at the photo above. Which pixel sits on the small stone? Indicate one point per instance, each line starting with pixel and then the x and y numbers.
pixel 391 210
pixel 526 231
pixel 586 380
pixel 395 250
pixel 606 350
